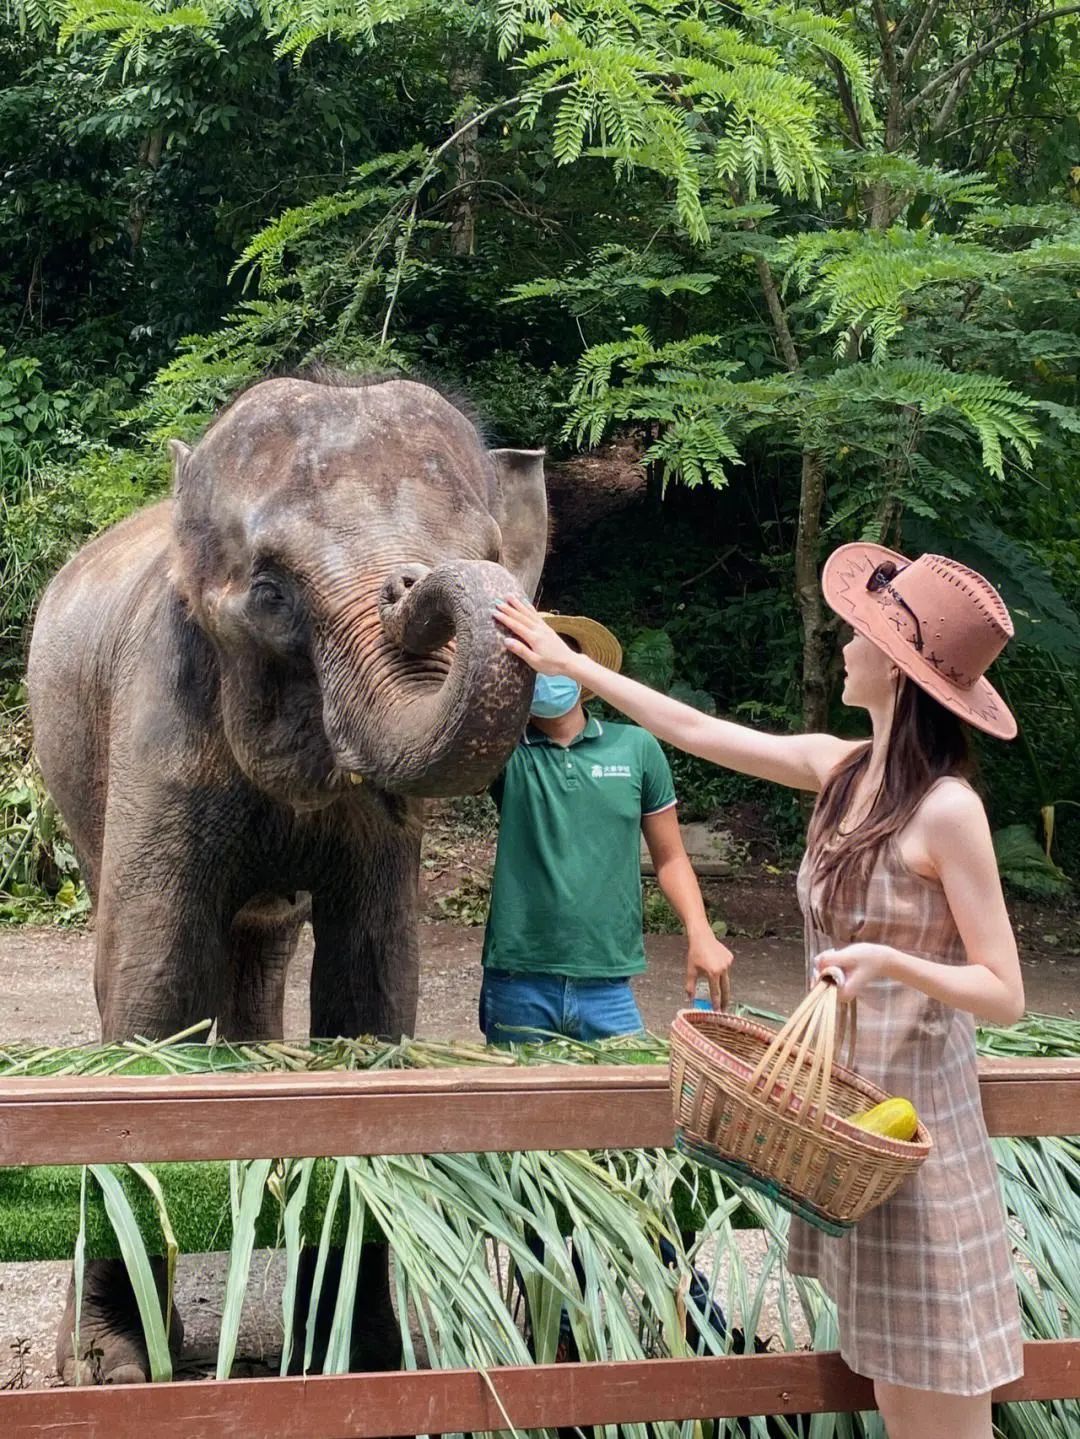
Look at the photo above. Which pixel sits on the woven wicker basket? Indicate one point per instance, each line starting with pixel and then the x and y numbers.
pixel 769 1108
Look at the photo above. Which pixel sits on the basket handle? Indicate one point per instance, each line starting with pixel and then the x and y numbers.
pixel 810 1039
pixel 848 1012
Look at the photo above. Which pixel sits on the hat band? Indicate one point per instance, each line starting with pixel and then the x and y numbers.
pixel 960 617
pixel 907 625
pixel 902 617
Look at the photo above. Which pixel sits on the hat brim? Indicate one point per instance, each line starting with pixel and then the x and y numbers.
pixel 843 583
pixel 596 641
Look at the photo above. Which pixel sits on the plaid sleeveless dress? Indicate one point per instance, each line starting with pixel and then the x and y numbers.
pixel 924 1285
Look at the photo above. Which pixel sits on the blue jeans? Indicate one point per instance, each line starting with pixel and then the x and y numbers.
pixel 584 1009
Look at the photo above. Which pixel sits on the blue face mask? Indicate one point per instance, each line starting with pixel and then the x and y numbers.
pixel 554 696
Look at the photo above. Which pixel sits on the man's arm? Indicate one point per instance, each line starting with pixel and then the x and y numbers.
pixel 706 957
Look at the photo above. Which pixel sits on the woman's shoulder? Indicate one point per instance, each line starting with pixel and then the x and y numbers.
pixel 948 823
pixel 950 806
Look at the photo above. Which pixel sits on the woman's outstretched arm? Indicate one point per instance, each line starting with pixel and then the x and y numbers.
pixel 799 761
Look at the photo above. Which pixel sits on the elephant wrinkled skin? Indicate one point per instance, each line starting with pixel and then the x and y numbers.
pixel 242 695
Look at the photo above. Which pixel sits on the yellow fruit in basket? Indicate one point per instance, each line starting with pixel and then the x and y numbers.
pixel 894 1118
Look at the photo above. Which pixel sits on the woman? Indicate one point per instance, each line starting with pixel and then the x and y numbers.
pixel 900 891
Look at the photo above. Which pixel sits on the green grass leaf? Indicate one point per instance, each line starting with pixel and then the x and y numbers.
pixel 249 1186
pixel 139 1272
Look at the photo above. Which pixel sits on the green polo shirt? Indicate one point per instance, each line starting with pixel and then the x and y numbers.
pixel 566 893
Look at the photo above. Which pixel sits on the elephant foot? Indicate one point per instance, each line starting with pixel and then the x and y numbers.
pixel 376 1338
pixel 92 1370
pixel 111 1345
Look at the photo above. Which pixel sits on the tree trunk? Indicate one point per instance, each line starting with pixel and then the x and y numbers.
pixel 149 159
pixel 816 626
pixel 464 77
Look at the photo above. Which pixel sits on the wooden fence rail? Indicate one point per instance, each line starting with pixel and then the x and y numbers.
pixel 107 1120
pixel 544 1396
pixel 114 1120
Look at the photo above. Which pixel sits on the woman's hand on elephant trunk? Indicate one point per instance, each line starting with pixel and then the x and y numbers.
pixel 534 641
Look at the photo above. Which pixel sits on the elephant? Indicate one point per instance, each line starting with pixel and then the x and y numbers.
pixel 241 697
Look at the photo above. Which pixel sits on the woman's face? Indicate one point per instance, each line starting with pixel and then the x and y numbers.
pixel 869 674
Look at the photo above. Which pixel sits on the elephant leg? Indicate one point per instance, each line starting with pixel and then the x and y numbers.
pixel 261 945
pixel 365 972
pixel 159 959
pixel 376 1339
pixel 160 936
pixel 364 981
pixel 111 1345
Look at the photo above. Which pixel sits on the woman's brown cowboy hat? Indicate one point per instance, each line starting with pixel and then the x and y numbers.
pixel 940 623
pixel 592 638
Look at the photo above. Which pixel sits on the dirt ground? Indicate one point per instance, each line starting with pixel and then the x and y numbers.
pixel 47 974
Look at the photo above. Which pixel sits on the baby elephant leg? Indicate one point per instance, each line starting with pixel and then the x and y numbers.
pixel 376 1339
pixel 260 947
pixel 111 1345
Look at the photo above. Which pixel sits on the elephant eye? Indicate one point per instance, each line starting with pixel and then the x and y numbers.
pixel 267 595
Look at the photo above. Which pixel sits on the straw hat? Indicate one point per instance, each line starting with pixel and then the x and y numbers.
pixel 940 623
pixel 596 642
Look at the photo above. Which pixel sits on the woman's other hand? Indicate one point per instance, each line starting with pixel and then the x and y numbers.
pixel 860 964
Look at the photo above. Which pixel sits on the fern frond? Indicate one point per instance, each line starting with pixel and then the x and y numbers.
pixel 665 84
pixel 830 37
pixel 133 25
pixel 863 281
pixel 1046 253
pixel 613 270
pixel 296 25
pixel 906 176
pixel 983 406
pixel 1050 218
pixel 686 388
pixel 265 249
pixel 40 17
pixel 694 449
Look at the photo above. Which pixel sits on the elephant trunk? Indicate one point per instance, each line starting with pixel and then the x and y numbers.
pixel 440 702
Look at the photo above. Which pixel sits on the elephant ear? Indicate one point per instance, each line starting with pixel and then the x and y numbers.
pixel 179 454
pixel 522 514
pixel 192 556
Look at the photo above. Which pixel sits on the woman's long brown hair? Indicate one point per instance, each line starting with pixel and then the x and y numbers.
pixel 926 742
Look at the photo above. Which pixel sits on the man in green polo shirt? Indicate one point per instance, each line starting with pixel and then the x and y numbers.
pixel 564 931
